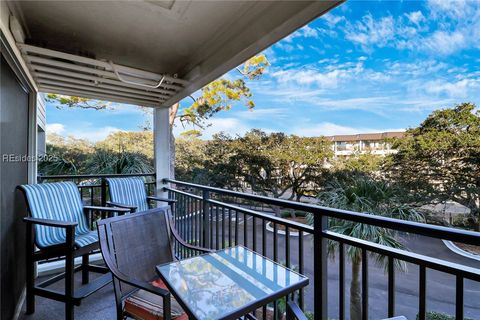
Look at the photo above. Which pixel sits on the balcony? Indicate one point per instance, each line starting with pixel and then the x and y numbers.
pixel 436 279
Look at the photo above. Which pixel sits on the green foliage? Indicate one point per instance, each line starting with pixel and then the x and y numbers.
pixel 360 162
pixel 439 316
pixel 223 93
pixel 120 152
pixel 189 159
pixel 274 164
pixel 440 160
pixel 104 161
pixel 140 142
pixel 361 193
pixel 67 155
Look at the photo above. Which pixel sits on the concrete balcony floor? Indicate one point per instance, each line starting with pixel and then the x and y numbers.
pixel 98 306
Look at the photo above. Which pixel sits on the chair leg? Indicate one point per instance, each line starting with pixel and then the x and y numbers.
pixel 69 286
pixel 85 272
pixel 69 277
pixel 30 276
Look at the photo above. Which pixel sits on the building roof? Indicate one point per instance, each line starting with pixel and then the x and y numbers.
pixel 194 40
pixel 366 136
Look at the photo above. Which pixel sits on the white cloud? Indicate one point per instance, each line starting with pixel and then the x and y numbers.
pixel 369 31
pixel 332 19
pixel 87 133
pixel 458 9
pixel 415 17
pixel 458 89
pixel 329 78
pixel 96 134
pixel 56 128
pixel 456 26
pixel 445 42
pixel 305 32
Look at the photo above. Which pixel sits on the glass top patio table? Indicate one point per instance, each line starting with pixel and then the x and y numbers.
pixel 228 283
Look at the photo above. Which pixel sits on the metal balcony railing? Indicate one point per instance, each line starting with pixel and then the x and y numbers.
pixel 218 218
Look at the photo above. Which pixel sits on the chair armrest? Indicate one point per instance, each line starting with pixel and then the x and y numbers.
pixel 294 312
pixel 51 222
pixel 133 282
pixel 187 245
pixel 121 205
pixel 161 199
pixel 145 286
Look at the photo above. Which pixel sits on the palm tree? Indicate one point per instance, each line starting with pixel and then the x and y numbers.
pixel 110 162
pixel 364 194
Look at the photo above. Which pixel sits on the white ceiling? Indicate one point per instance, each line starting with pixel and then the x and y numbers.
pixel 196 40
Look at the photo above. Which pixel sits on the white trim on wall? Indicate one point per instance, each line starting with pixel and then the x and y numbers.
pixel 32 137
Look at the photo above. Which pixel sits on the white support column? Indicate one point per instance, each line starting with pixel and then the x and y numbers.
pixel 161 136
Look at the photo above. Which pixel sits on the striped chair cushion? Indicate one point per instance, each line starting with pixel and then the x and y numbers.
pixel 129 191
pixel 143 305
pixel 57 201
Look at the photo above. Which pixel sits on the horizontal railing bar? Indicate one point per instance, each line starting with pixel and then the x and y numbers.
pixel 282 221
pixel 184 193
pixel 428 230
pixel 285 222
pixel 83 176
pixel 412 257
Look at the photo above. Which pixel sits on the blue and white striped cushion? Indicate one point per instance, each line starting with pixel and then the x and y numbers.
pixel 83 240
pixel 56 201
pixel 129 191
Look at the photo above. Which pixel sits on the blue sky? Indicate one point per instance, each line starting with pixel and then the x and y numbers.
pixel 367 66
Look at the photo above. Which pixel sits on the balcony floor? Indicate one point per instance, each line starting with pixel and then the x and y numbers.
pixel 100 305
pixel 440 294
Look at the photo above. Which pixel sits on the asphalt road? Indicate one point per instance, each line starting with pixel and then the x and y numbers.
pixel 440 286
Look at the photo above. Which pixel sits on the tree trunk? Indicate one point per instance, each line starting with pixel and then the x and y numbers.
pixel 173 115
pixel 355 294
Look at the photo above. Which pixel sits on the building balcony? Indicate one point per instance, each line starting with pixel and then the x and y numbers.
pixel 435 279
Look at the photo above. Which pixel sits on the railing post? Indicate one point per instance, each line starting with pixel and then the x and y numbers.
pixel 320 224
pixel 103 192
pixel 206 219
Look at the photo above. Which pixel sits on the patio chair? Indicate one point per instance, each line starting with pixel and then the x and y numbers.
pixel 130 193
pixel 132 246
pixel 58 225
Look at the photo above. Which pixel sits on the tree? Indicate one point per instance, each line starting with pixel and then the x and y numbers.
pixel 359 162
pixel 279 165
pixel 219 95
pixel 440 160
pixel 363 194
pixel 190 158
pixel 108 162
pixel 129 141
pixel 66 155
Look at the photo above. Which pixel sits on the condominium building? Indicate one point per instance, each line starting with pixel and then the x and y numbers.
pixel 374 143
